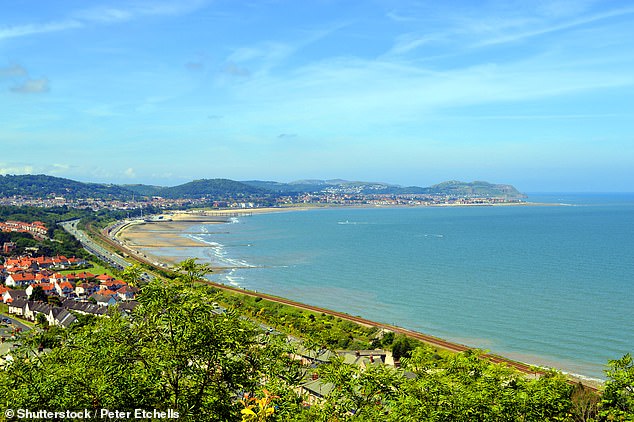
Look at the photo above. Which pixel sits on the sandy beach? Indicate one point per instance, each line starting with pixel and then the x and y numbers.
pixel 166 231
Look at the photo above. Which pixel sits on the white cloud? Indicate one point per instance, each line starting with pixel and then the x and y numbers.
pixel 32 86
pixel 30 29
pixel 8 168
pixel 12 71
pixel 105 14
pixel 129 172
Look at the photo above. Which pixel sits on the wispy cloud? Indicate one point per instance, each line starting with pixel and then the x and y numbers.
pixel 102 15
pixel 546 29
pixel 32 86
pixel 31 29
pixel 12 168
pixel 132 10
pixel 13 71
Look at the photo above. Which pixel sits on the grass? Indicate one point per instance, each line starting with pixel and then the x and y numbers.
pixel 95 269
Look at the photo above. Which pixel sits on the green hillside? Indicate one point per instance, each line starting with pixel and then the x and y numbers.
pixel 43 186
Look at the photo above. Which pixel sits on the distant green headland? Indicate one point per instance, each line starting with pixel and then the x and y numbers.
pixel 49 187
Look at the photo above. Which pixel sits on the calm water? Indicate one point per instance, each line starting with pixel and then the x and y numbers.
pixel 551 285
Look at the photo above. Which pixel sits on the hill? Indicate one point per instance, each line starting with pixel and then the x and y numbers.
pixel 43 186
pixel 475 189
pixel 211 188
pixel 449 188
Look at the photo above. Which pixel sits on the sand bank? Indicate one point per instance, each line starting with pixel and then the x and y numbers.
pixel 169 231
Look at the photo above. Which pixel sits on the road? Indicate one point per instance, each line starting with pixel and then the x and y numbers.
pixel 93 247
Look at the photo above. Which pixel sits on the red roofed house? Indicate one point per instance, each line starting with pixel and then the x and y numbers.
pixel 84 290
pixel 128 292
pixel 19 279
pixel 112 285
pixel 48 288
pixel 11 295
pixel 104 277
pixel 84 276
pixel 65 289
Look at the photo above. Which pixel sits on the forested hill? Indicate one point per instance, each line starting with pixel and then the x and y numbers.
pixel 478 188
pixel 42 186
pixel 450 188
pixel 210 188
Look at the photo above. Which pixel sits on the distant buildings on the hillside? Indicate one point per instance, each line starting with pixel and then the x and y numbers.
pixel 37 228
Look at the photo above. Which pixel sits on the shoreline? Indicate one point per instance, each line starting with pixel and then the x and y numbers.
pixel 140 240
pixel 171 233
pixel 169 230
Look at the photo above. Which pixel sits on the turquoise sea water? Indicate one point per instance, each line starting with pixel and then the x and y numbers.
pixel 549 285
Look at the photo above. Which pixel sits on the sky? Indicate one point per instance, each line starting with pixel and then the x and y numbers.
pixel 538 94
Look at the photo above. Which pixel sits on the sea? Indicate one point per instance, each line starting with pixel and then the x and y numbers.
pixel 550 285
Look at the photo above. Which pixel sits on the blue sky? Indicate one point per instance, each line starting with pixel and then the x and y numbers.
pixel 539 94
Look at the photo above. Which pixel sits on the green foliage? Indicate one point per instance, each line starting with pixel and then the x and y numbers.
pixel 38 294
pixel 401 347
pixel 42 186
pixel 459 387
pixel 216 188
pixel 132 274
pixel 618 397
pixel 174 352
pixel 321 329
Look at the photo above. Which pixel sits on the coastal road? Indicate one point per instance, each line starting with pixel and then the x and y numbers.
pixel 93 247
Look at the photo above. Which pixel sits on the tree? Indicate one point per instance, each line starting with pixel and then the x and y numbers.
pixel 401 347
pixel 132 274
pixel 173 352
pixel 191 271
pixel 618 397
pixel 41 319
pixel 37 294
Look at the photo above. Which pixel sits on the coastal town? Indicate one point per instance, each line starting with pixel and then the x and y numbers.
pixel 33 286
pixel 52 291
pixel 45 292
pixel 308 199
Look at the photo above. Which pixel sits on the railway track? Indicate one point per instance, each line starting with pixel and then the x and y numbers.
pixel 431 340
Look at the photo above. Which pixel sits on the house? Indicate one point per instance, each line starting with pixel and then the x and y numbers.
pixel 315 390
pixel 112 285
pixel 104 277
pixel 85 308
pixel 84 290
pixel 129 306
pixel 60 317
pixel 364 358
pixel 33 309
pixel 102 298
pixel 17 307
pixel 65 289
pixel 128 292
pixel 77 261
pixel 47 288
pixel 84 276
pixel 43 276
pixel 13 294
pixel 21 279
pixel 313 357
pixel 44 261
